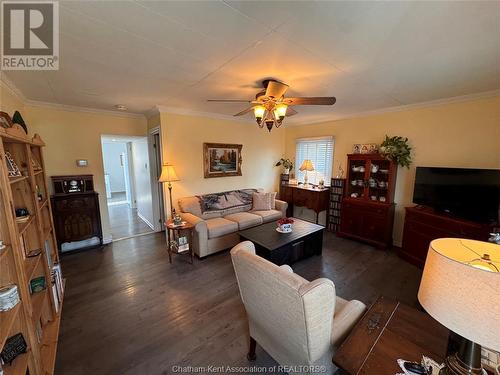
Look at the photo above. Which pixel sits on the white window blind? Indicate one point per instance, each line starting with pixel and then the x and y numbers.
pixel 320 152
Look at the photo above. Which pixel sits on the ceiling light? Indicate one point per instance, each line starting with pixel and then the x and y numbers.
pixel 280 111
pixel 259 112
pixel 120 107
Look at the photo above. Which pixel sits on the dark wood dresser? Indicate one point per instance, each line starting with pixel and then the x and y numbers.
pixel 76 211
pixel 423 224
pixel 367 212
pixel 315 199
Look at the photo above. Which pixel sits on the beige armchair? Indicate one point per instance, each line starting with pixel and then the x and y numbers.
pixel 299 323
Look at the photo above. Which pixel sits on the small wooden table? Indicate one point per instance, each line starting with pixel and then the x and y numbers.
pixel 388 331
pixel 173 238
pixel 305 240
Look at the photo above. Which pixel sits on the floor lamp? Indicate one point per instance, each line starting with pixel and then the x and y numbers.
pixel 169 175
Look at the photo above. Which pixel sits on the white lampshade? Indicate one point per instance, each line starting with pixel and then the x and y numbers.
pixel 461 291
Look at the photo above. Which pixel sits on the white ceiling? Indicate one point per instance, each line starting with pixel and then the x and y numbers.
pixel 370 55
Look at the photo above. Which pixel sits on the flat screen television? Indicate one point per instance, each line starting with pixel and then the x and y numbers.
pixel 471 194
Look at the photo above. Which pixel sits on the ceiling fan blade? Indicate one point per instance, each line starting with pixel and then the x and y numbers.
pixel 244 112
pixel 229 100
pixel 276 89
pixel 290 112
pixel 319 100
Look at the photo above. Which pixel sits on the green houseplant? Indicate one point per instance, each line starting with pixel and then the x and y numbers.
pixel 396 149
pixel 287 165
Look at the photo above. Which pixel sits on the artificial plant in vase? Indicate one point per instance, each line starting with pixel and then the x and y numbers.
pixel 287 165
pixel 396 149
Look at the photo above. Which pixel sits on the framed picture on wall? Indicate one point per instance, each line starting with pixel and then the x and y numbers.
pixel 222 160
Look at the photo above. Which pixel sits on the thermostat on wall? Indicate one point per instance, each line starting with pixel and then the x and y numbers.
pixel 82 162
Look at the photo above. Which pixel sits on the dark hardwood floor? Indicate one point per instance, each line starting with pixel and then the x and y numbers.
pixel 128 311
pixel 124 222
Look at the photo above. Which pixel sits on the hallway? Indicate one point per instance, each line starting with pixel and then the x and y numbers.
pixel 125 222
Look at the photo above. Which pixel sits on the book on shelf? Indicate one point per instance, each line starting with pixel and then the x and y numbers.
pixel 183 244
pixel 48 253
pixel 58 282
pixel 37 284
pixel 57 298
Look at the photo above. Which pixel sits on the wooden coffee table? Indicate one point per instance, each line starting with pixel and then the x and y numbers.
pixel 305 240
pixel 388 331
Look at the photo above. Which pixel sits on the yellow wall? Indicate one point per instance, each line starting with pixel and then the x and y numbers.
pixel 182 143
pixel 9 101
pixel 153 121
pixel 73 135
pixel 465 134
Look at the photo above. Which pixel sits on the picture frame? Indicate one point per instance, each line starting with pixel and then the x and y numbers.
pixel 5 120
pixel 222 159
pixel 365 148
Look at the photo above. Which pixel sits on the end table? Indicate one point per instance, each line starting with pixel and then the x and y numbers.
pixel 174 232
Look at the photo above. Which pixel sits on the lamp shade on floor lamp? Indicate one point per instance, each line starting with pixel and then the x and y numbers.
pixel 168 174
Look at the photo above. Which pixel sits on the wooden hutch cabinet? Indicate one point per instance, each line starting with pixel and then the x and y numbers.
pixel 368 205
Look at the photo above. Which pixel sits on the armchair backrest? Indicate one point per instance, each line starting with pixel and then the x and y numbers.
pixel 285 311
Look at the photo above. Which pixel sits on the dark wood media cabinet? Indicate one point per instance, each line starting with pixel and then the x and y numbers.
pixel 423 224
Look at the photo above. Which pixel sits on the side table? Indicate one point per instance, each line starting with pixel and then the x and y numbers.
pixel 174 232
pixel 390 330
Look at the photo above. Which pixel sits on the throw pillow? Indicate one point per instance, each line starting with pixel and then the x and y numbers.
pixel 262 201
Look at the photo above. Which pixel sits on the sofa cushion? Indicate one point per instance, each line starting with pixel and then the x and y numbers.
pixel 219 226
pixel 244 219
pixel 263 201
pixel 268 215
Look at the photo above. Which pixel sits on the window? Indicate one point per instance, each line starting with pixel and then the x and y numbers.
pixel 320 152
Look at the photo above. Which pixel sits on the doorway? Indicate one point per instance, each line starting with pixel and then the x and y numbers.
pixel 128 185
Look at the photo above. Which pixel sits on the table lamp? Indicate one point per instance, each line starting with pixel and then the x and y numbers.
pixel 169 175
pixel 460 288
pixel 307 165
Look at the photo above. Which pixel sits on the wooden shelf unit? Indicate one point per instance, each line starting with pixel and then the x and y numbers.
pixel 38 309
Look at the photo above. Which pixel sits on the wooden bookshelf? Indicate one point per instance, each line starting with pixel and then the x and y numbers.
pixel 37 317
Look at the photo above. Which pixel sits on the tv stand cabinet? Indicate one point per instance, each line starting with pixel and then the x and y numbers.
pixel 423 224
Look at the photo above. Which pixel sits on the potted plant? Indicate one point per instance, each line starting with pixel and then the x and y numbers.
pixel 285 225
pixel 396 149
pixel 287 165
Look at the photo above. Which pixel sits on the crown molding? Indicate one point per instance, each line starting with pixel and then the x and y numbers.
pixel 405 107
pixel 73 108
pixel 9 85
pixel 189 112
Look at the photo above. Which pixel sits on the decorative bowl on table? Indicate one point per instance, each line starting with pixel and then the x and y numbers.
pixel 285 225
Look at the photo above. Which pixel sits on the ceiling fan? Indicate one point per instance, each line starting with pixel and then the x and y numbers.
pixel 270 106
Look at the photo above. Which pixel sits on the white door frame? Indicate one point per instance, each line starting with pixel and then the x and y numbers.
pixel 156 187
pixel 129 172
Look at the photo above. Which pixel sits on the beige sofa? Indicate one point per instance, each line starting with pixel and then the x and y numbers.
pixel 299 323
pixel 217 230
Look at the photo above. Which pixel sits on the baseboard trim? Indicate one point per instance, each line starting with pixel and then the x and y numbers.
pixel 106 240
pixel 146 221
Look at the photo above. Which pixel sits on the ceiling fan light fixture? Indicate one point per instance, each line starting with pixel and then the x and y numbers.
pixel 269 124
pixel 280 111
pixel 259 111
